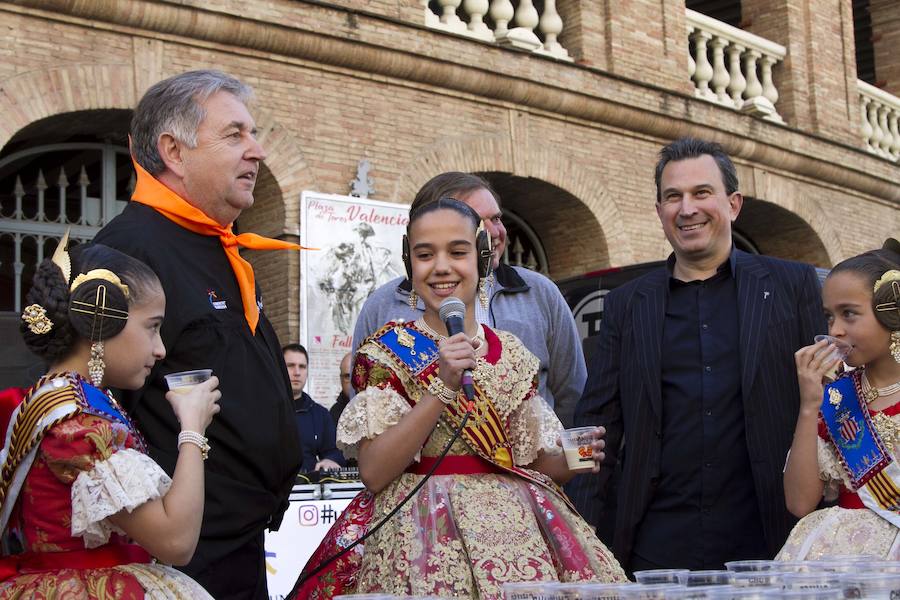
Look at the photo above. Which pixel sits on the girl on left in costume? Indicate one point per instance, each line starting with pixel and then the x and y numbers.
pixel 847 439
pixel 83 509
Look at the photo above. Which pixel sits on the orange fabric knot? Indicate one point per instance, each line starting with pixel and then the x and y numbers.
pixel 150 191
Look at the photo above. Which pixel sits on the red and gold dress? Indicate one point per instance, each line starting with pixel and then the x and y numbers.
pixel 848 528
pixel 71 460
pixel 477 523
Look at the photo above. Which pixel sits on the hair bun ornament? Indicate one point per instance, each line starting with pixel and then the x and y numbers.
pixel 61 256
pixel 104 274
pixel 36 317
pixel 98 305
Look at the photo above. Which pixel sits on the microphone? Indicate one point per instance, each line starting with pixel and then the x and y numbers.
pixel 453 313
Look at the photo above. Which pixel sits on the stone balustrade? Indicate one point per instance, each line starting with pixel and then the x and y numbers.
pixel 880 114
pixel 517 24
pixel 732 67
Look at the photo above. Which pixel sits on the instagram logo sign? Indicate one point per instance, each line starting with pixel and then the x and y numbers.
pixel 309 515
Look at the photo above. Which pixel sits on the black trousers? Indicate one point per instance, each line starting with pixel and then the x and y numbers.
pixel 240 575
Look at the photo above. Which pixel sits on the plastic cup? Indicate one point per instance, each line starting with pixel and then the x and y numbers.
pixel 578 447
pixel 740 566
pixel 810 594
pixel 183 381
pixel 660 576
pixel 841 350
pixel 601 591
pixel 527 591
pixel 704 578
pixel 772 579
pixel 813 580
pixel 727 592
pixel 655 591
pixel 871 585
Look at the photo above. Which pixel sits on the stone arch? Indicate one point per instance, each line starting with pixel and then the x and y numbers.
pixel 494 154
pixel 786 218
pixel 35 95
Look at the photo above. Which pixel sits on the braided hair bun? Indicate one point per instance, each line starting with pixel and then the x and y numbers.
pixel 50 290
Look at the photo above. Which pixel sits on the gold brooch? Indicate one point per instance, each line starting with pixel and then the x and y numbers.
pixel 405 339
pixel 834 396
pixel 36 317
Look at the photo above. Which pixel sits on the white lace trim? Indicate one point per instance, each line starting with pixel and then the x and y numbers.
pixel 124 481
pixel 369 414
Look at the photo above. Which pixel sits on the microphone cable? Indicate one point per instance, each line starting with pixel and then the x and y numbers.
pixel 304 577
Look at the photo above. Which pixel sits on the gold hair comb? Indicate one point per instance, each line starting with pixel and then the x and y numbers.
pixel 104 274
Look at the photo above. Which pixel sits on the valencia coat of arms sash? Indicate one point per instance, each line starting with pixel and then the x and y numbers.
pixel 873 473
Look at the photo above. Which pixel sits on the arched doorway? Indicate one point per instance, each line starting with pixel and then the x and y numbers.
pixel 548 229
pixel 776 231
pixel 70 170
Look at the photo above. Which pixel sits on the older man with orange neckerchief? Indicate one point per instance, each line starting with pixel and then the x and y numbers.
pixel 197 159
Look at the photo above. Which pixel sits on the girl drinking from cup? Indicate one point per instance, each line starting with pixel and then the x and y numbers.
pixel 82 507
pixel 847 436
pixel 492 512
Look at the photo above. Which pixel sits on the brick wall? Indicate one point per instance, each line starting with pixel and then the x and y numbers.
pixel 584 185
pixel 886 40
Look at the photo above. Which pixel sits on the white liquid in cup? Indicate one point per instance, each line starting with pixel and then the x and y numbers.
pixel 184 381
pixel 578 447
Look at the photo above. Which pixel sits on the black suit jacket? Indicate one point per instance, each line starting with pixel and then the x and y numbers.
pixel 780 310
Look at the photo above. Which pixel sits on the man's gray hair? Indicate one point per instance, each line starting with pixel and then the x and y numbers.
pixel 174 106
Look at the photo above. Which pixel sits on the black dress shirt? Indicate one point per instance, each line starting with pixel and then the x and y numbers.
pixel 704 509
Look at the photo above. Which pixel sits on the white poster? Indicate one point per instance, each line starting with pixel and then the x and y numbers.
pixel 304 525
pixel 359 243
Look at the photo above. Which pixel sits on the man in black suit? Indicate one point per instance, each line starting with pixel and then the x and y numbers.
pixel 694 381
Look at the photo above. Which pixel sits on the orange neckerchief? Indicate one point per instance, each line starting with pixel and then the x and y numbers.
pixel 148 190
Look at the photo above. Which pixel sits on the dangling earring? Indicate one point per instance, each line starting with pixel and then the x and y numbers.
pixel 482 293
pixel 413 300
pixel 96 366
pixel 895 345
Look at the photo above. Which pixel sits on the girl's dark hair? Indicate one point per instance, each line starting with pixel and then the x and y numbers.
pixel 51 291
pixel 441 204
pixel 450 185
pixel 871 266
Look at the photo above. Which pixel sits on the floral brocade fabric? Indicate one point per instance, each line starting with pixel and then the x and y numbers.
pixel 838 531
pixel 467 535
pixel 86 469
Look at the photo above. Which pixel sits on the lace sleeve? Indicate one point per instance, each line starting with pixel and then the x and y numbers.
pixel 830 469
pixel 533 427
pixel 370 413
pixel 124 481
pixel 380 405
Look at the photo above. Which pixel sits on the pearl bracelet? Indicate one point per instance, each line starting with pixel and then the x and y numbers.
pixel 192 437
pixel 439 390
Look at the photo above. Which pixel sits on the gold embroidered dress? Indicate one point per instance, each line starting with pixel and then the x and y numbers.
pixel 466 534
pixel 848 528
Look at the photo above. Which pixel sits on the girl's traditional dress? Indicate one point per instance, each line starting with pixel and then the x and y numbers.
pixel 857 450
pixel 483 519
pixel 72 459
